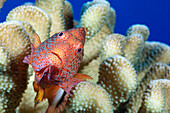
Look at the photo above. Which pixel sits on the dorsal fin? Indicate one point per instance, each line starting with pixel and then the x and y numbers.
pixel 37 40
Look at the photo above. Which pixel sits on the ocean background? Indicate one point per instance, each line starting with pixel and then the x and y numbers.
pixel 153 13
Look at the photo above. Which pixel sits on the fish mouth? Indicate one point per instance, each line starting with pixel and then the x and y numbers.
pixel 39 74
pixel 45 73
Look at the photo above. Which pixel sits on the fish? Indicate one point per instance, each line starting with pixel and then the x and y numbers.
pixel 57 97
pixel 55 63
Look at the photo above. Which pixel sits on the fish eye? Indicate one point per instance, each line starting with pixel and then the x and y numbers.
pixel 79 49
pixel 60 34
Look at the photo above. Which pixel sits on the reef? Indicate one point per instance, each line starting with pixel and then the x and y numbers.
pixel 130 74
pixel 2 3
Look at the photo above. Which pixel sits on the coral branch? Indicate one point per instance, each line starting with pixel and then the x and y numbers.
pixel 55 9
pixel 93 46
pixel 155 98
pixel 89 97
pixel 94 17
pixel 157 71
pixel 14 46
pixel 153 52
pixel 112 45
pixel 2 3
pixel 118 77
pixel 140 29
pixel 68 15
pixel 134 47
pixel 92 69
pixel 37 17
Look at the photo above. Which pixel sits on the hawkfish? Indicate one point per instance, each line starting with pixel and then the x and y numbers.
pixel 55 63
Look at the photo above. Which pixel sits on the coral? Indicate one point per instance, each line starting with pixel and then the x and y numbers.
pixel 112 45
pixel 111 19
pixel 55 9
pixel 118 77
pixel 2 3
pixel 89 97
pixel 153 52
pixel 92 69
pixel 121 66
pixel 133 48
pixel 140 29
pixel 155 97
pixel 157 71
pixel 92 46
pixel 68 15
pixel 106 27
pixel 37 17
pixel 94 17
pixel 14 46
pixel 27 104
pixel 142 57
pixel 29 29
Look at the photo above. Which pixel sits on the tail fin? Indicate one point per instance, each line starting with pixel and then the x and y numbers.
pixel 40 94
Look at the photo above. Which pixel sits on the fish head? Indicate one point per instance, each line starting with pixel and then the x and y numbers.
pixel 68 46
pixel 66 52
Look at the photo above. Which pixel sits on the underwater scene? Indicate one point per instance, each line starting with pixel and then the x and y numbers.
pixel 90 56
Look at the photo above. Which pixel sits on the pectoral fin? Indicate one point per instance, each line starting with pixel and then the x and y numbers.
pixel 40 94
pixel 82 76
pixel 67 85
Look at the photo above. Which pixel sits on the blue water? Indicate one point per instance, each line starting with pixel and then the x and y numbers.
pixel 153 13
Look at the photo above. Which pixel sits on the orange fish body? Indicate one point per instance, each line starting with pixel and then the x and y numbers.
pixel 55 63
pixel 57 58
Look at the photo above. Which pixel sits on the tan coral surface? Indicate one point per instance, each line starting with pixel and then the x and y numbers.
pixel 14 46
